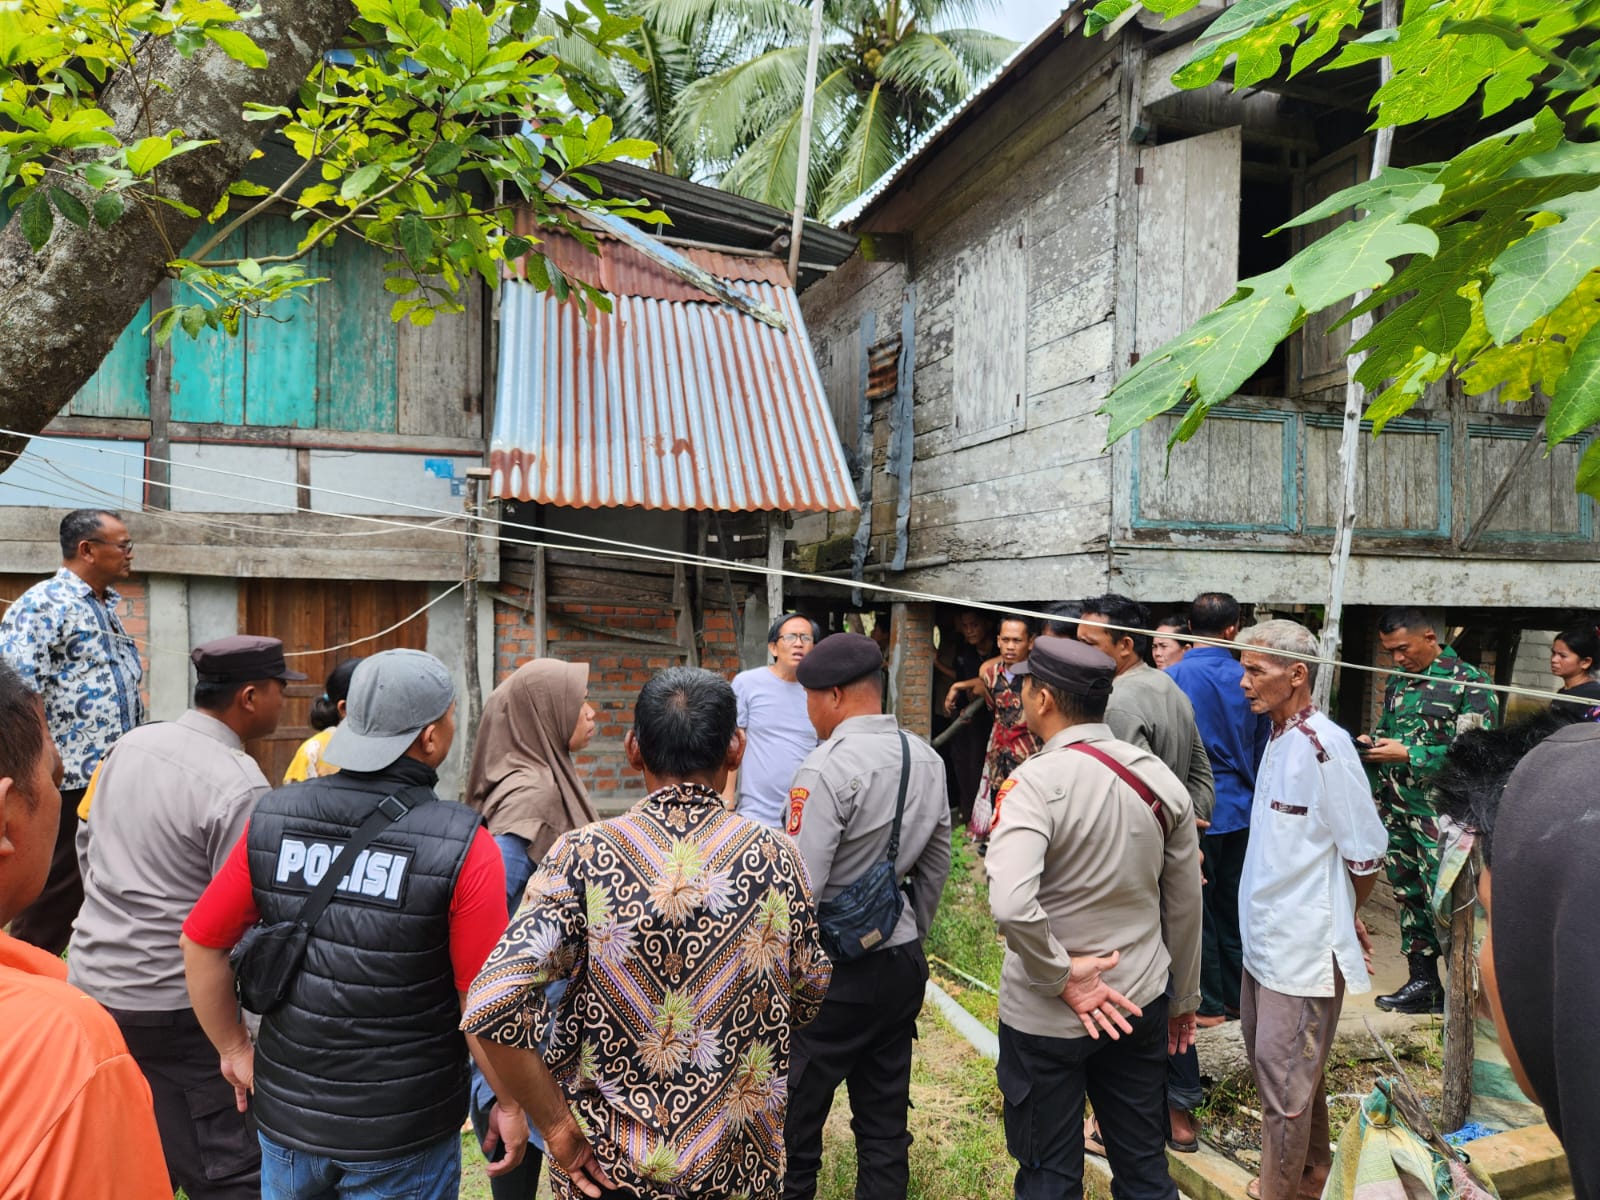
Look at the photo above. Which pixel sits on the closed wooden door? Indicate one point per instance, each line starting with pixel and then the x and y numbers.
pixel 309 614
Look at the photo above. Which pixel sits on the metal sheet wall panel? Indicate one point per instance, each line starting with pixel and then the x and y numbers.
pixel 662 405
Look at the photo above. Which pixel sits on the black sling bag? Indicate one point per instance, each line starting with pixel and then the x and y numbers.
pixel 268 957
pixel 859 919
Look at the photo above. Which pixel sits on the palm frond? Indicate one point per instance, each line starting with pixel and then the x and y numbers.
pixel 767 170
pixel 722 113
pixel 868 151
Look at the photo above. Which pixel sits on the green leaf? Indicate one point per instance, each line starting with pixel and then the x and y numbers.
pixel 1401 190
pixel 358 181
pixel 415 239
pixel 108 206
pixel 238 46
pixel 515 247
pixel 70 207
pixel 249 270
pixel 37 220
pixel 1589 470
pixel 1535 274
pixel 1103 14
pixel 1576 403
pixel 148 153
pixel 1355 256
pixel 442 159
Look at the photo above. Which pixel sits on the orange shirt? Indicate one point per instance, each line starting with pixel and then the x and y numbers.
pixel 76 1119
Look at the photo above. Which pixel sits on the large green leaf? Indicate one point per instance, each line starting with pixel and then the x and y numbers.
pixel 1355 256
pixel 1535 274
pixel 1576 403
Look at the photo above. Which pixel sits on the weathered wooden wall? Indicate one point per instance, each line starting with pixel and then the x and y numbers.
pixel 1009 243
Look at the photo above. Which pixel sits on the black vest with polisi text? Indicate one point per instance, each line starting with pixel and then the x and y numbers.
pixel 364 1060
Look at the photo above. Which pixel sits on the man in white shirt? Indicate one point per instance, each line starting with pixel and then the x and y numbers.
pixel 772 713
pixel 1316 844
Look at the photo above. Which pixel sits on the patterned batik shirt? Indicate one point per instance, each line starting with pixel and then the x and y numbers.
pixel 690 939
pixel 69 646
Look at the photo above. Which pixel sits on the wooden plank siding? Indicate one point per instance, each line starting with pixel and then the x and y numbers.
pixel 328 358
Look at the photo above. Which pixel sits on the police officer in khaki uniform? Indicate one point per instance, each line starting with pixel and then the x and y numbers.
pixel 841 812
pixel 165 809
pixel 1094 879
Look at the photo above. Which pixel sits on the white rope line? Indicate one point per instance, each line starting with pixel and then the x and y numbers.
pixel 616 548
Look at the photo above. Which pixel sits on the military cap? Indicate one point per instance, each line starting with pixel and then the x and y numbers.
pixel 1069 665
pixel 240 659
pixel 839 659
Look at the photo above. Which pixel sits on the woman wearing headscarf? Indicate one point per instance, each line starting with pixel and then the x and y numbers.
pixel 327 710
pixel 523 779
pixel 525 784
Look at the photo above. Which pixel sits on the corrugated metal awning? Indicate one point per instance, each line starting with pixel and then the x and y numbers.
pixel 665 403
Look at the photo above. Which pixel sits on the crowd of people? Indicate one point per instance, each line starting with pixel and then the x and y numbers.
pixel 302 991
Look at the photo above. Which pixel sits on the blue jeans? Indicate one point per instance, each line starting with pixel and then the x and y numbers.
pixel 519 867
pixel 430 1173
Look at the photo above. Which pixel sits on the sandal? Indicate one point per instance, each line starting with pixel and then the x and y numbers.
pixel 1253 1188
pixel 1091 1137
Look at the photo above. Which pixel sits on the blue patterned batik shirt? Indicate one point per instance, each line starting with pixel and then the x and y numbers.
pixel 69 646
pixel 688 936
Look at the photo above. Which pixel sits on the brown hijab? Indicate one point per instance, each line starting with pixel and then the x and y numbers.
pixel 523 779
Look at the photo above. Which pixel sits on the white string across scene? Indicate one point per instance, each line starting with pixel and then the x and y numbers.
pixel 455 524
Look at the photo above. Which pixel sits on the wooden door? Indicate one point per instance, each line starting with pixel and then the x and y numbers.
pixel 310 614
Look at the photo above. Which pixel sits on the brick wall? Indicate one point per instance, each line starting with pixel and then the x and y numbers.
pixel 618 668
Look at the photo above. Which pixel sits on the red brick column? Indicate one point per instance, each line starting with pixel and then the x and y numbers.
pixel 911 666
pixel 134 613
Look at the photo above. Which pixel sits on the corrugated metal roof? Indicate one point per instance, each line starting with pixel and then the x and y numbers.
pixel 858 207
pixel 622 271
pixel 663 404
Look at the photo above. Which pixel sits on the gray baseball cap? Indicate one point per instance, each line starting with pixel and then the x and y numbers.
pixel 394 695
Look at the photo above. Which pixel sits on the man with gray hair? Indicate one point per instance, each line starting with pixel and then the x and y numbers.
pixel 1316 844
pixel 65 639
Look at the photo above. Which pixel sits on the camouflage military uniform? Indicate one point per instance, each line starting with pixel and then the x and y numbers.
pixel 1425 715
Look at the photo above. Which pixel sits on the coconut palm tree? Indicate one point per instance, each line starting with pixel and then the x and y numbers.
pixel 735 78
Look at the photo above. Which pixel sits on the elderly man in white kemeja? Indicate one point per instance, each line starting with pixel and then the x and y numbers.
pixel 1316 843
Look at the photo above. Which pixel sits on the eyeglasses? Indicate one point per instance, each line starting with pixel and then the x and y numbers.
pixel 796 639
pixel 126 545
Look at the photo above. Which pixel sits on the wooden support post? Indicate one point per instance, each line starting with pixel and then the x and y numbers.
pixel 541 616
pixel 158 468
pixel 1460 1004
pixel 472 503
pixel 776 528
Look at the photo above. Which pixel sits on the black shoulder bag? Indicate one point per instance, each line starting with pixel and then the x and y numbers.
pixel 268 957
pixel 859 919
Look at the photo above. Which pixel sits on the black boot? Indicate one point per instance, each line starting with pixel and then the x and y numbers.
pixel 1422 993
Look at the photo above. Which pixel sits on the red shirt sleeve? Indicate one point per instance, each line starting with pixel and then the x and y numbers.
pixel 477 909
pixel 228 906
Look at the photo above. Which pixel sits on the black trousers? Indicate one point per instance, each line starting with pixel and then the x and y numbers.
pixel 47 922
pixel 211 1147
pixel 1221 952
pixel 862 1038
pixel 1044 1081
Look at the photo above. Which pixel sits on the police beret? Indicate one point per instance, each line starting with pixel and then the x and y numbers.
pixel 839 659
pixel 240 659
pixel 1069 665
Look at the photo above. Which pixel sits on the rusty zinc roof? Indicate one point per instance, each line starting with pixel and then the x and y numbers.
pixel 670 401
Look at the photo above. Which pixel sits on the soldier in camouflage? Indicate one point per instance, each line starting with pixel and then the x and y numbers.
pixel 1421 717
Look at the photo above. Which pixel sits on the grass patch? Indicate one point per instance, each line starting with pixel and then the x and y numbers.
pixel 963 934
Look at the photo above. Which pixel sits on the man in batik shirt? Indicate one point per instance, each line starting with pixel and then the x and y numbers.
pixel 690 943
pixel 65 639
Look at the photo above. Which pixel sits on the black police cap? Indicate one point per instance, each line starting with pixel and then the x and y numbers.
pixel 838 660
pixel 1069 665
pixel 241 658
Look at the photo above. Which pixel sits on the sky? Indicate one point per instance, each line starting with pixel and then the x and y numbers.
pixel 1020 20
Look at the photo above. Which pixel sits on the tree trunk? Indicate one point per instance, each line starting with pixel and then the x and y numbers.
pixel 62 309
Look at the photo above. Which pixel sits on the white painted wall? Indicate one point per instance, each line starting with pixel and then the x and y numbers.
pixel 393 481
pixel 233 479
pixel 66 473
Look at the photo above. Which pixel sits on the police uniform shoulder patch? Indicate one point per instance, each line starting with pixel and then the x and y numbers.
pixel 1000 794
pixel 797 805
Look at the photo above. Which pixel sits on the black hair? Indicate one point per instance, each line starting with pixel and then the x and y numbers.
pixel 684 721
pixel 1122 610
pixel 1076 708
pixel 1407 617
pixel 783 619
pixel 1070 611
pixel 22 732
pixel 1584 641
pixel 81 525
pixel 1025 622
pixel 216 696
pixel 325 708
pixel 1177 627
pixel 1212 613
pixel 1469 785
